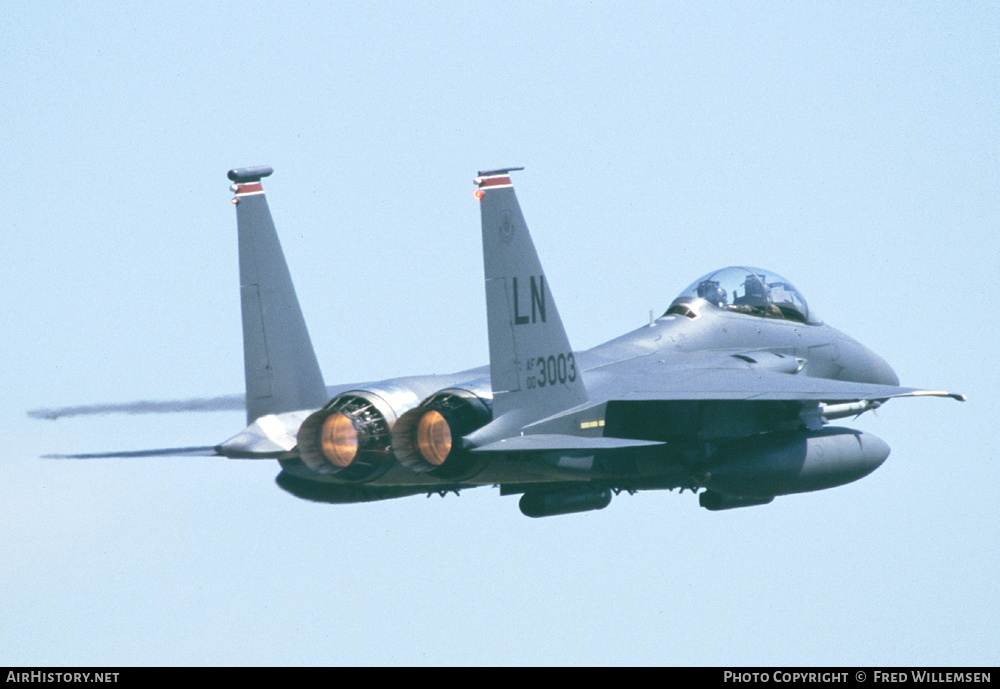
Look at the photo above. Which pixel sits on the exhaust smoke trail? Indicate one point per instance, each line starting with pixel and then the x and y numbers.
pixel 198 404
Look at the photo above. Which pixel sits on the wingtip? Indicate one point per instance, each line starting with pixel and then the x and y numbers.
pixel 939 393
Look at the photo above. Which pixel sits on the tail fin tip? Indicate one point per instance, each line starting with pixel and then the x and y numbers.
pixel 282 374
pixel 249 174
pixel 532 366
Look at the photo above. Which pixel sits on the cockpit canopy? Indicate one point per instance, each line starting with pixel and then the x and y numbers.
pixel 752 291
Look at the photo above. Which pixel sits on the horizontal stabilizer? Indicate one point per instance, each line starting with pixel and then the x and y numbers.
pixel 272 436
pixel 563 443
pixel 199 451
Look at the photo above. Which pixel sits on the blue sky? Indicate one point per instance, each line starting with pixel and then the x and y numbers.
pixel 851 147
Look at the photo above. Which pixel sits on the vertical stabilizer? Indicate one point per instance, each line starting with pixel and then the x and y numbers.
pixel 532 366
pixel 282 373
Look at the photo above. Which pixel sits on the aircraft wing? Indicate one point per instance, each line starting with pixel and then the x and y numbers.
pixel 657 380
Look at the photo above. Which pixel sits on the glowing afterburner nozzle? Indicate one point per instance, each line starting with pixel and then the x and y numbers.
pixel 339 440
pixel 429 437
pixel 348 439
pixel 433 438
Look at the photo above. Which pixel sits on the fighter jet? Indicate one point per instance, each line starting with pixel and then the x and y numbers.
pixel 729 394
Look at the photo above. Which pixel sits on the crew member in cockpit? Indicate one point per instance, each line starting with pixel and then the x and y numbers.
pixel 712 292
pixel 756 300
pixel 754 293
